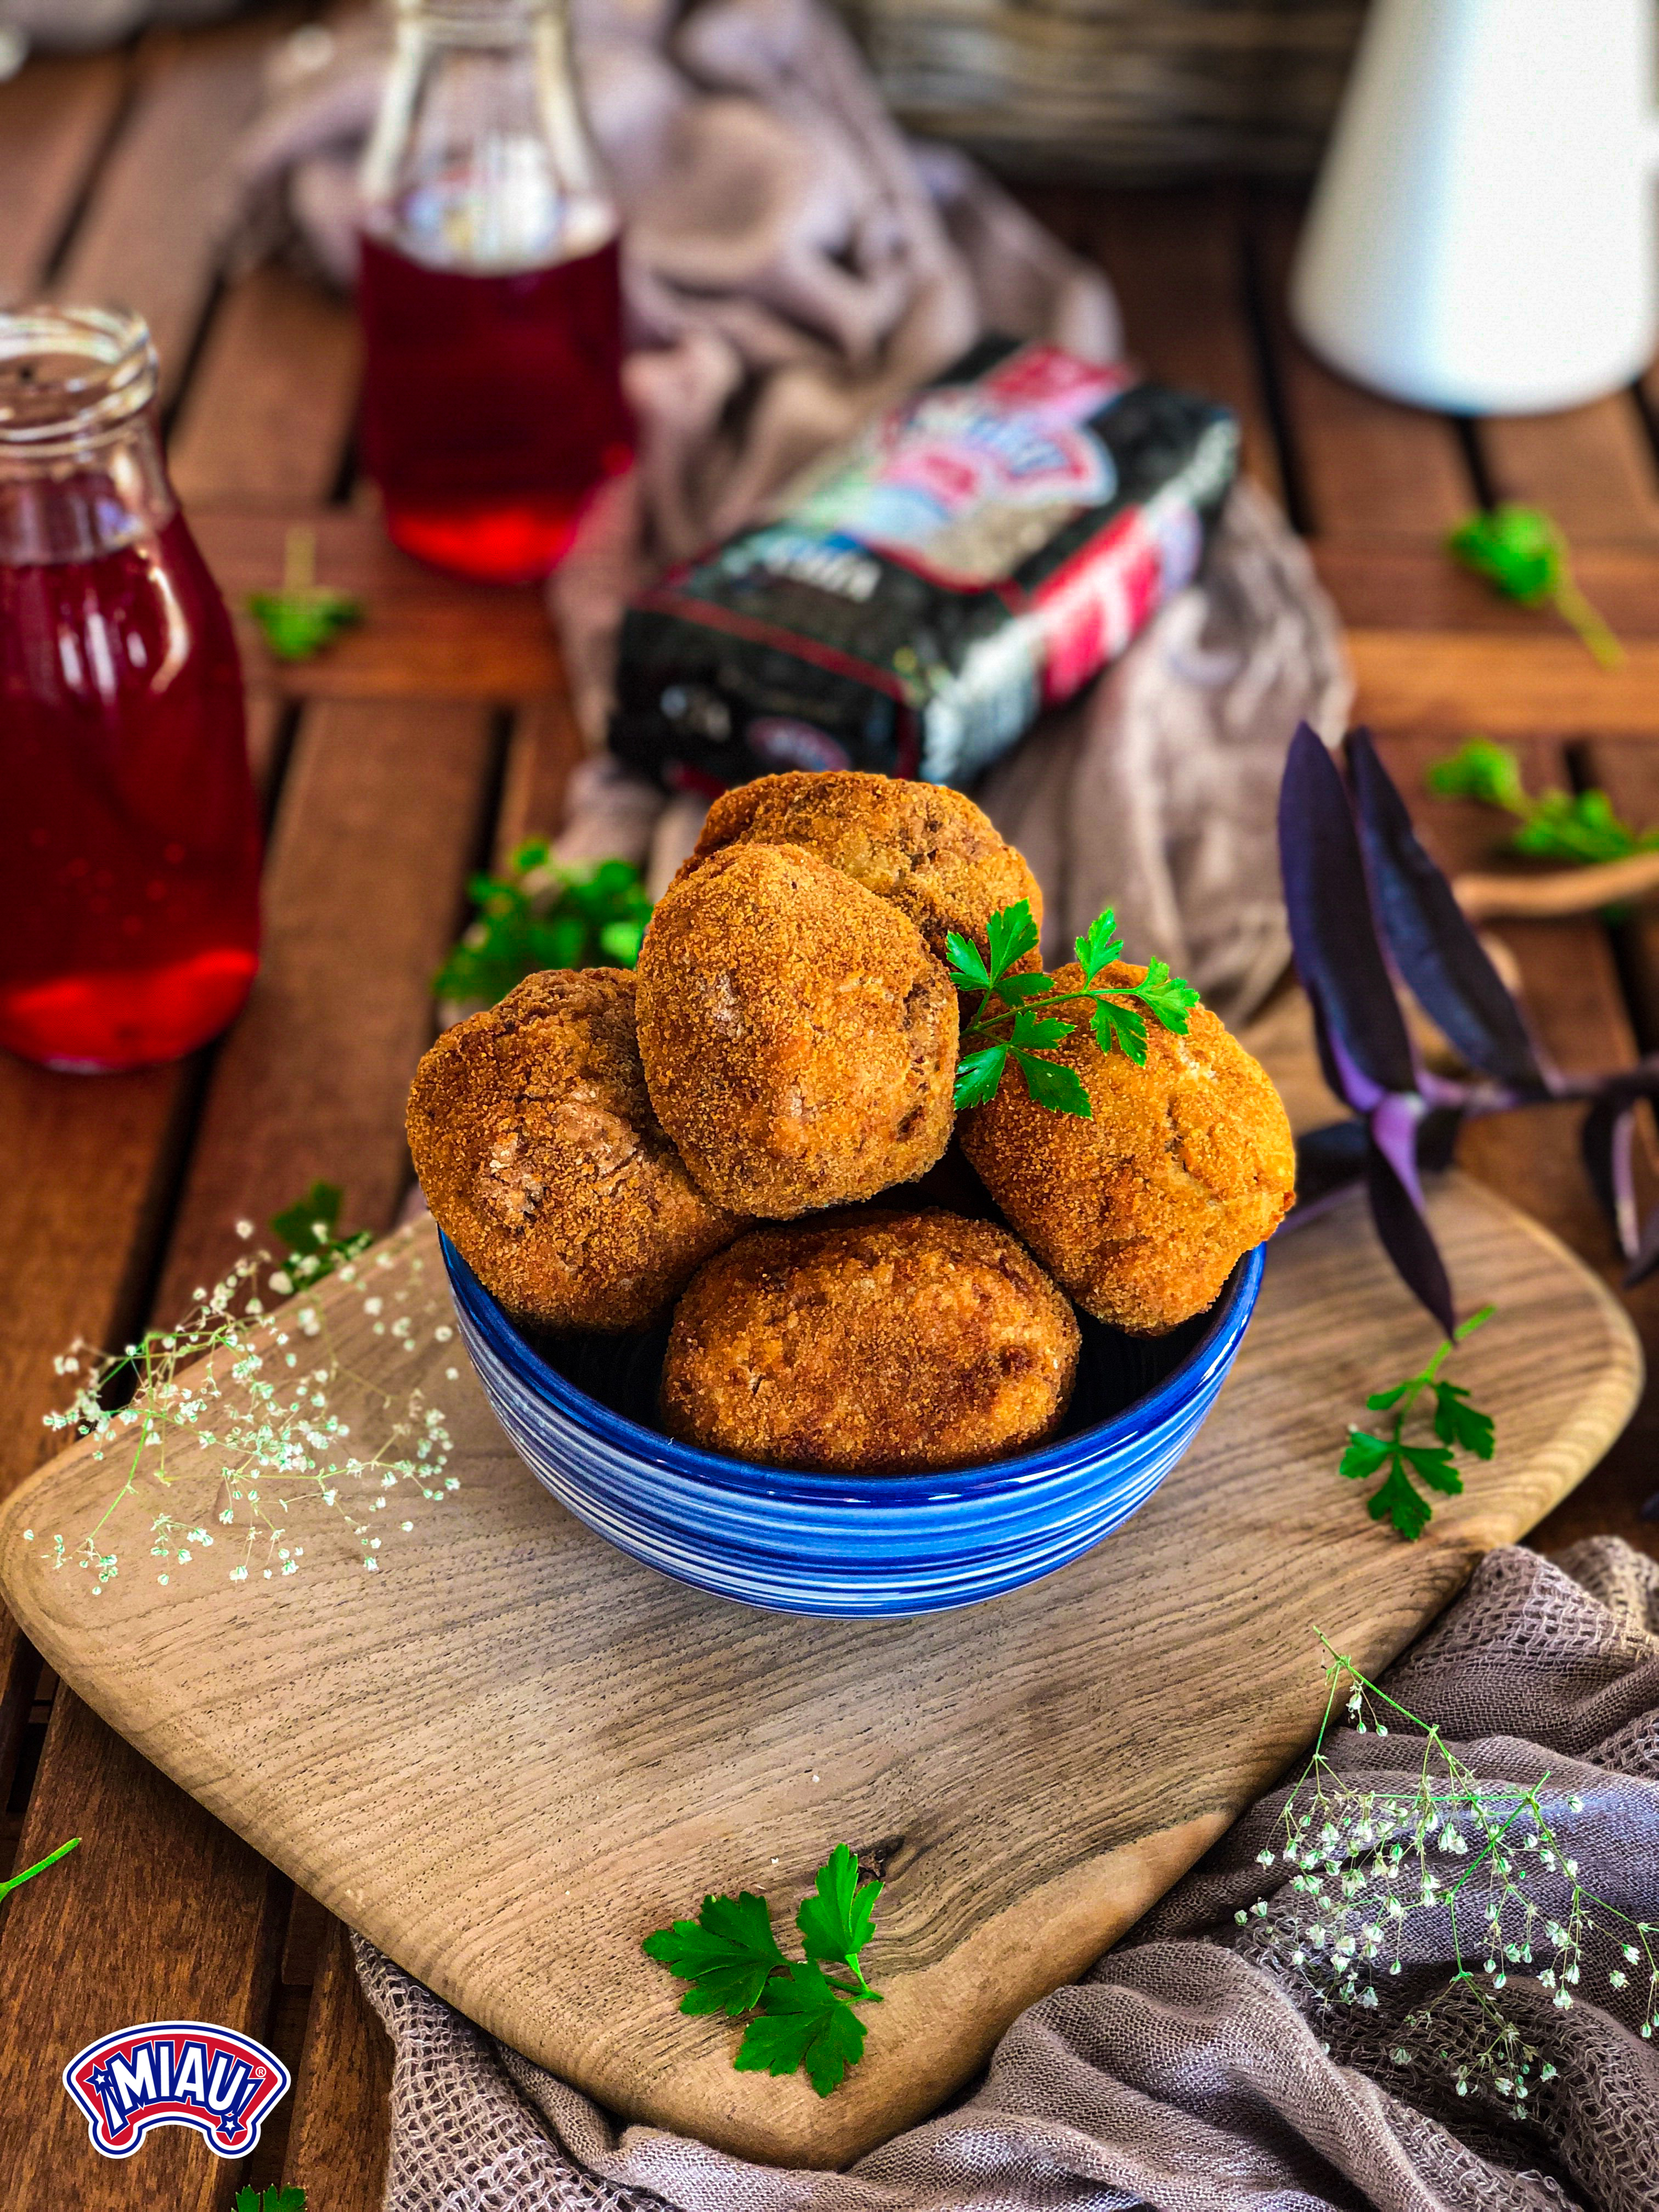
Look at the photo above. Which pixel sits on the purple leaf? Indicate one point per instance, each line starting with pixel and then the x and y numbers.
pixel 1647 1254
pixel 1397 1210
pixel 1605 1141
pixel 1338 957
pixel 1426 930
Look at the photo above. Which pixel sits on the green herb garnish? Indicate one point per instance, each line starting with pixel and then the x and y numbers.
pixel 1022 1006
pixel 542 914
pixel 1579 826
pixel 304 616
pixel 1458 1425
pixel 798 2016
pixel 279 2199
pixel 1523 553
pixel 312 1238
pixel 16 1881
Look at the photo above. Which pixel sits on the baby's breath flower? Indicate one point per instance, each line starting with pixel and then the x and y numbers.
pixel 209 1368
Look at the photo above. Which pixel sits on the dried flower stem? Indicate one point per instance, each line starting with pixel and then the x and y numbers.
pixel 228 1381
pixel 1362 1872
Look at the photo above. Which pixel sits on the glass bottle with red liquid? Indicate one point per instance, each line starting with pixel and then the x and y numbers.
pixel 489 291
pixel 129 834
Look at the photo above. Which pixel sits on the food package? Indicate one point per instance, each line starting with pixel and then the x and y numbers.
pixel 978 554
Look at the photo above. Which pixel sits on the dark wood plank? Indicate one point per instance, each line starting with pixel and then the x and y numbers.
pixel 55 116
pixel 1630 775
pixel 423 636
pixel 380 820
pixel 340 2125
pixel 1509 685
pixel 1365 464
pixel 151 1919
pixel 152 232
pixel 1175 262
pixel 1391 584
pixel 1592 467
pixel 268 414
pixel 544 746
pixel 20 1677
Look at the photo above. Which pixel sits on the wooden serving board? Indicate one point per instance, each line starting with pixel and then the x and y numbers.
pixel 512 1752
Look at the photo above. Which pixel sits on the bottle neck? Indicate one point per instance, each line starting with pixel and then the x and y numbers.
pixel 81 473
pixel 480 160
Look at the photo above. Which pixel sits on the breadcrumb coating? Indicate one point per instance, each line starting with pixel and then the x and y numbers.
pixel 798 1039
pixel 1142 1213
pixel 879 1343
pixel 928 849
pixel 543 1162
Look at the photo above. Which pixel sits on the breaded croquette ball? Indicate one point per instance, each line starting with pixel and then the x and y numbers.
pixel 543 1163
pixel 798 1038
pixel 874 1343
pixel 1140 1213
pixel 927 848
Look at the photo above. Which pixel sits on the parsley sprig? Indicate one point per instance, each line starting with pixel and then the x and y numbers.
pixel 278 2199
pixel 305 616
pixel 1577 826
pixel 799 2015
pixel 1458 1426
pixel 1015 1019
pixel 314 1244
pixel 541 914
pixel 1523 553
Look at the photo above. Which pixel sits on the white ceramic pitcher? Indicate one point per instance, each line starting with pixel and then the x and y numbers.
pixel 1482 238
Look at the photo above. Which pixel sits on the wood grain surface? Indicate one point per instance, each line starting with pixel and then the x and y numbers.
pixel 513 1751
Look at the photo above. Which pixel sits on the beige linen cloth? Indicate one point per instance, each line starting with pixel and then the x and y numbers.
pixel 792 265
pixel 1186 2071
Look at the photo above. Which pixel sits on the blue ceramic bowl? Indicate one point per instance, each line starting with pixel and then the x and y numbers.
pixel 581 1415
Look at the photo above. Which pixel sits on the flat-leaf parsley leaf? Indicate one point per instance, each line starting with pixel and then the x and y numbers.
pixel 726 1953
pixel 799 2015
pixel 1457 1425
pixel 806 2021
pixel 1023 1006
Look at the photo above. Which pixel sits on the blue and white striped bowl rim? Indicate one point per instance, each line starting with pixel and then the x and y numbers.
pixel 849 1547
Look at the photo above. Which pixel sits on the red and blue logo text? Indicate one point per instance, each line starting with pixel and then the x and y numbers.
pixel 176 2072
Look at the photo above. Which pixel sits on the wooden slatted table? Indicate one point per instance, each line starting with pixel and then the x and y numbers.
pixel 439 736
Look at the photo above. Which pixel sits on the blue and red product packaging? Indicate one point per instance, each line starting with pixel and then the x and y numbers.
pixel 978 554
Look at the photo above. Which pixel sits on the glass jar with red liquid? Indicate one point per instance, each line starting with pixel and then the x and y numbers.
pixel 129 835
pixel 489 291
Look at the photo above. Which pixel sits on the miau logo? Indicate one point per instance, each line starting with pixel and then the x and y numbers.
pixel 183 2073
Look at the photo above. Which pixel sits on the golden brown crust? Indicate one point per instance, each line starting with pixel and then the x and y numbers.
pixel 798 1038
pixel 927 849
pixel 543 1162
pixel 875 1343
pixel 1142 1213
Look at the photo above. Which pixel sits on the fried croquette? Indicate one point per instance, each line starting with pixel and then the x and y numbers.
pixel 1141 1213
pixel 798 1039
pixel 541 1158
pixel 876 1343
pixel 927 849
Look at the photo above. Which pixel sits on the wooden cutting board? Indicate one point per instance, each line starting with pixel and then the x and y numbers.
pixel 512 1752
